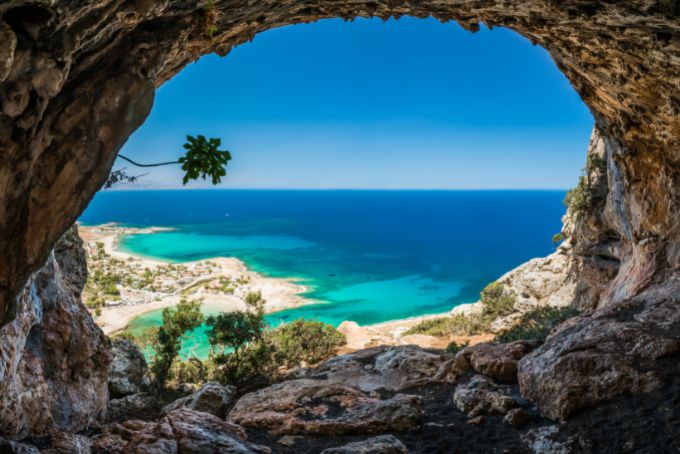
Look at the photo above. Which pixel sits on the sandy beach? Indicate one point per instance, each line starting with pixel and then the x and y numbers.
pixel 205 280
pixel 190 280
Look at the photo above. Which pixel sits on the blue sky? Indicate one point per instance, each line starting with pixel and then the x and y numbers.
pixel 407 103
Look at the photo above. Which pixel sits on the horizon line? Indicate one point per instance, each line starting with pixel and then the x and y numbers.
pixel 329 189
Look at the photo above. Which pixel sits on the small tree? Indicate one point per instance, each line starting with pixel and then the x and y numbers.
pixel 203 159
pixel 308 341
pixel 236 340
pixel 167 340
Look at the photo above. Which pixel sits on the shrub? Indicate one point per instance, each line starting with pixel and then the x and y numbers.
pixel 455 347
pixel 306 341
pixel 454 325
pixel 582 197
pixel 253 367
pixel 537 324
pixel 496 302
pixel 232 331
pixel 166 341
pixel 193 370
pixel 254 300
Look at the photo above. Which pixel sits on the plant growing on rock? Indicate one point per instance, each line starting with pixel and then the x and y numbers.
pixel 537 324
pixel 167 339
pixel 496 301
pixel 582 198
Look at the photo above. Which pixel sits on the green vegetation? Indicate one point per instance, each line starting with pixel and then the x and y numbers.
pixel 244 350
pixel 167 339
pixel 202 159
pixel 496 302
pixel 209 19
pixel 455 347
pixel 225 286
pixel 303 341
pixel 582 197
pixel 537 324
pixel 557 238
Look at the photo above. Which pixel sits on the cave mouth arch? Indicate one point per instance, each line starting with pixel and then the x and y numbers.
pixel 77 79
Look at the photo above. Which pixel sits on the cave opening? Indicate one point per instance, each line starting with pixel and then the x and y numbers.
pixel 446 156
pixel 77 80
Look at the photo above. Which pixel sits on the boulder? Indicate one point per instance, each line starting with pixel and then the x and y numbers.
pixel 128 369
pixel 210 398
pixel 497 361
pixel 130 406
pixel 13 447
pixel 393 368
pixel 591 359
pixel 481 396
pixel 382 444
pixel 54 359
pixel 66 443
pixel 517 417
pixel 307 406
pixel 180 431
pixel 547 440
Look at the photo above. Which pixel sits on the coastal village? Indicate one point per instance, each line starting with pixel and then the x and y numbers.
pixel 122 286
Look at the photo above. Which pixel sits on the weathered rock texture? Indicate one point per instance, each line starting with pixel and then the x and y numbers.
pixel 180 431
pixel 307 406
pixel 53 358
pixel 382 444
pixel 128 371
pixel 76 78
pixel 210 398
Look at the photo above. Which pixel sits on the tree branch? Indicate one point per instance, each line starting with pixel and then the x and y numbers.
pixel 147 165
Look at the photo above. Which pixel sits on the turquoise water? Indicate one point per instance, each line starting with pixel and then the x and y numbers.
pixel 367 256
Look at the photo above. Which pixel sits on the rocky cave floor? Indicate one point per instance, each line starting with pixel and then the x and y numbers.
pixel 643 423
pixel 444 419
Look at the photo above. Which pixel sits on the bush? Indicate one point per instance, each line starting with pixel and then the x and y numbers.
pixel 496 302
pixel 193 370
pixel 537 324
pixel 455 347
pixel 304 341
pixel 454 325
pixel 166 341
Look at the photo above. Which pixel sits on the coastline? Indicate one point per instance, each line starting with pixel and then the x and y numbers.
pixel 279 293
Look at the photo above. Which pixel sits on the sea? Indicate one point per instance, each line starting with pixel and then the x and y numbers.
pixel 368 256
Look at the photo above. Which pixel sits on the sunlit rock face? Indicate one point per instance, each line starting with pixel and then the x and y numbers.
pixel 77 78
pixel 53 358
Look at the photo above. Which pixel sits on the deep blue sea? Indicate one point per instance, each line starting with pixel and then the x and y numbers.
pixel 367 256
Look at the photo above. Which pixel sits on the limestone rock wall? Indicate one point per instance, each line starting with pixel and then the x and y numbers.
pixel 53 357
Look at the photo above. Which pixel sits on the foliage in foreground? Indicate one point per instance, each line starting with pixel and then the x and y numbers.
pixel 244 350
pixel 167 339
pixel 537 324
pixel 496 302
pixel 203 159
